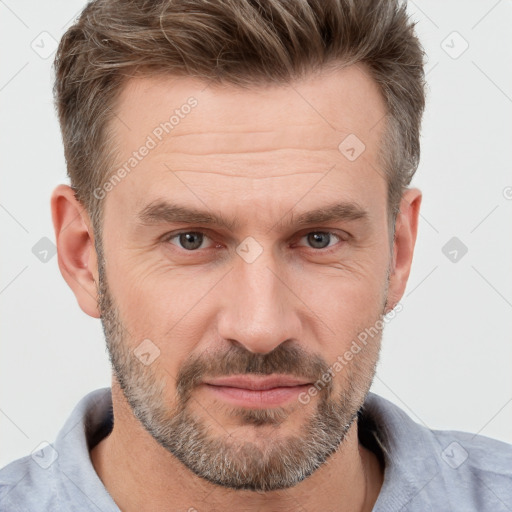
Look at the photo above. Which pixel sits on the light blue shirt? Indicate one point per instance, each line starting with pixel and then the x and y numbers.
pixel 425 470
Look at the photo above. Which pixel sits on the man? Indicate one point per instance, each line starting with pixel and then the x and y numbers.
pixel 239 218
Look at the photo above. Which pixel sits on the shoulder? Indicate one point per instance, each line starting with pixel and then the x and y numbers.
pixel 28 484
pixel 60 476
pixel 481 462
pixel 480 452
pixel 474 471
pixel 426 469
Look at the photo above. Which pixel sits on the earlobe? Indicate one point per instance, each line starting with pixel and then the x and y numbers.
pixel 406 230
pixel 75 248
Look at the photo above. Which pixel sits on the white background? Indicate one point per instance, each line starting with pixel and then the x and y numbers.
pixel 446 357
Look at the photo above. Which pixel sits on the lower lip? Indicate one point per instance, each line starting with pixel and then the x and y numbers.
pixel 257 399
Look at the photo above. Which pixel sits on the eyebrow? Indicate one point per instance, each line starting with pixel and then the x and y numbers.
pixel 161 211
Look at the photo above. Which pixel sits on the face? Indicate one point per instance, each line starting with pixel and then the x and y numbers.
pixel 243 253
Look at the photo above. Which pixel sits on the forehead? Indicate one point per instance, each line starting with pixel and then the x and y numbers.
pixel 173 133
pixel 334 103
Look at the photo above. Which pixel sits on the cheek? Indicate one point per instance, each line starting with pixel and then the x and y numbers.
pixel 169 306
pixel 348 305
pixel 352 345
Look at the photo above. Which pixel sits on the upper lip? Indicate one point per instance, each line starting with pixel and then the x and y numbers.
pixel 257 383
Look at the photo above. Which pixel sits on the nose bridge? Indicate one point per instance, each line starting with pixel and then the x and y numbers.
pixel 257 308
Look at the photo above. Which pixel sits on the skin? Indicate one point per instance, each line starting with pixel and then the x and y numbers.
pixel 260 157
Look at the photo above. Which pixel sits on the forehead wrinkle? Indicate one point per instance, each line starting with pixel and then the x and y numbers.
pixel 246 176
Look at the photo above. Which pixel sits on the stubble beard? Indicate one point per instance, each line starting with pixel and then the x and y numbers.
pixel 277 461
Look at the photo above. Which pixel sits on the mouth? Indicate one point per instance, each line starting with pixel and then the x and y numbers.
pixel 256 392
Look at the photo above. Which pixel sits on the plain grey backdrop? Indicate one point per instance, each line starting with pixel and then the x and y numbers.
pixel 446 357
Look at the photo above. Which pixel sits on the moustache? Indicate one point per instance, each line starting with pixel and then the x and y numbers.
pixel 284 359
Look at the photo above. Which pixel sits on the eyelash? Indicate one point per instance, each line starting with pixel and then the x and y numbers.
pixel 324 250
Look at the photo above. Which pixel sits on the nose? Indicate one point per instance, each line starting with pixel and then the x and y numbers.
pixel 257 309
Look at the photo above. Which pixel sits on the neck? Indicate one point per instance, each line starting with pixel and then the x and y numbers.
pixel 142 476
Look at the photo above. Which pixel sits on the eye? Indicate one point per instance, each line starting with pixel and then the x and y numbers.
pixel 189 240
pixel 194 240
pixel 321 239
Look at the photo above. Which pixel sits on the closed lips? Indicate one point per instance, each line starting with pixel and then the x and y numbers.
pixel 257 383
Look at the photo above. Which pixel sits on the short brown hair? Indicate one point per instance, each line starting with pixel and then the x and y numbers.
pixel 239 42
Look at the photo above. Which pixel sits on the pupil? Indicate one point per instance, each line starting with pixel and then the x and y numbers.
pixel 191 240
pixel 319 240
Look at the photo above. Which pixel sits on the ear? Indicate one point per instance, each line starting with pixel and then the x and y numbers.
pixel 75 248
pixel 406 229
